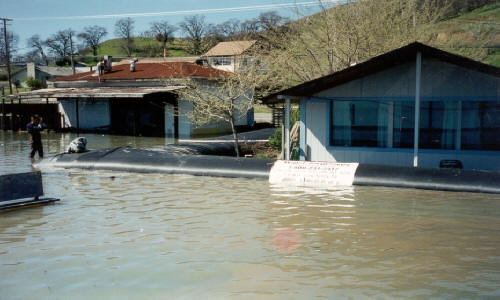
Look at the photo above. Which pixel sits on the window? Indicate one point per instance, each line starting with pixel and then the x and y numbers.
pixel 359 123
pixel 480 125
pixel 404 122
pixel 447 125
pixel 222 61
pixel 438 125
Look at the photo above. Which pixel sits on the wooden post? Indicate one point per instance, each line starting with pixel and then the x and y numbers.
pixel 418 83
pixel 77 118
pixel 3 108
pixel 7 52
pixel 11 114
pixel 71 49
pixel 287 129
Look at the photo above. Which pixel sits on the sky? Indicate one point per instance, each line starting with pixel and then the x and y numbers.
pixel 45 17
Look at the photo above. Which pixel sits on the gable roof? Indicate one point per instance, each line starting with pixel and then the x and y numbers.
pixel 230 48
pixel 379 63
pixel 149 71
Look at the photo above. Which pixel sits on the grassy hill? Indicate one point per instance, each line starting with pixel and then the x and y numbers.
pixel 145 47
pixel 474 34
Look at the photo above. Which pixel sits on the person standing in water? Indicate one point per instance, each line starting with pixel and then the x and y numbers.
pixel 34 128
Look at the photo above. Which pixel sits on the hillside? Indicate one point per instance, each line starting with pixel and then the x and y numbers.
pixel 145 47
pixel 475 34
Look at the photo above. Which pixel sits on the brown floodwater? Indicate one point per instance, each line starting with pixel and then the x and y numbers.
pixel 125 235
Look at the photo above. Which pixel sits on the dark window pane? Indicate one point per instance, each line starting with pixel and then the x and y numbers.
pixel 359 123
pixel 404 122
pixel 438 125
pixel 481 126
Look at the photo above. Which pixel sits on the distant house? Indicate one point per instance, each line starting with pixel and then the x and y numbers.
pixel 414 106
pixel 43 73
pixel 143 102
pixel 229 56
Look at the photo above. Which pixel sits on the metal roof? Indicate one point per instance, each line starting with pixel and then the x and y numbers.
pixel 96 92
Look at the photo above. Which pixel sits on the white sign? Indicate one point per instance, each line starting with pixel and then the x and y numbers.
pixel 318 174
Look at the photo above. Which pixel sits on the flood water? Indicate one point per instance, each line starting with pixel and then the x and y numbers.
pixel 143 236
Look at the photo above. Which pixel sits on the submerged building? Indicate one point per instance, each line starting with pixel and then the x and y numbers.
pixel 414 106
pixel 140 102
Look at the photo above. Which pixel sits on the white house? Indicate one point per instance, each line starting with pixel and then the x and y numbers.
pixel 414 106
pixel 229 56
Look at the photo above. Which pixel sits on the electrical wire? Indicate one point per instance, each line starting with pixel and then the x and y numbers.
pixel 189 12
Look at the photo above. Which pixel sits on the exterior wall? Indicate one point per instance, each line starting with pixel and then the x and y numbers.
pixel 228 68
pixel 169 121
pixel 92 114
pixel 315 146
pixel 185 125
pixel 188 130
pixel 440 81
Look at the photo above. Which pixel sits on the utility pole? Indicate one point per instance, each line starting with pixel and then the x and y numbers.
pixel 71 49
pixel 7 52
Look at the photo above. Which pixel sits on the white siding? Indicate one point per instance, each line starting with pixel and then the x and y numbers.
pixel 169 121
pixel 439 79
pixel 185 125
pixel 92 113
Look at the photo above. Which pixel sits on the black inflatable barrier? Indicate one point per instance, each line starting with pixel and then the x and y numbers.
pixel 212 148
pixel 146 161
pixel 456 180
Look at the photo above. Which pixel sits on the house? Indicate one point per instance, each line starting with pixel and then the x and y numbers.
pixel 229 56
pixel 43 73
pixel 414 106
pixel 143 102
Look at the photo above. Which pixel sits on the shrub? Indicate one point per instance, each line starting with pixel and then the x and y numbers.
pixel 275 139
pixel 34 83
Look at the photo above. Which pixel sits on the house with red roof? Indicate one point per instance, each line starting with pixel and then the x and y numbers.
pixel 139 102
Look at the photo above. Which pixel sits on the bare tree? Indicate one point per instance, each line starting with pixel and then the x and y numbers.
pixel 124 29
pixel 59 44
pixel 162 32
pixel 196 29
pixel 227 99
pixel 340 36
pixel 92 36
pixel 12 40
pixel 37 46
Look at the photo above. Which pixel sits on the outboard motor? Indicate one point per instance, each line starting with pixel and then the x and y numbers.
pixel 78 145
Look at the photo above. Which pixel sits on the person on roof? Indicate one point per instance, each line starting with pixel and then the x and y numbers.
pixel 132 65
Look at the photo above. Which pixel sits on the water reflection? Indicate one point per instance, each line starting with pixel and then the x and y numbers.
pixel 116 235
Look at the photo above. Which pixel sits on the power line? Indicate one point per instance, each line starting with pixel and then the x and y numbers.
pixel 188 12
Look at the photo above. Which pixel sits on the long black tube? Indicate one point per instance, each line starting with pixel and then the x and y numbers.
pixel 429 179
pixel 147 161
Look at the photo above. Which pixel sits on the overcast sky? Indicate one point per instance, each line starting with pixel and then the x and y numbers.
pixel 45 17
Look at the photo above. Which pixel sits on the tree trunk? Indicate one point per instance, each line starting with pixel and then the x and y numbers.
pixel 235 137
pixel 164 49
